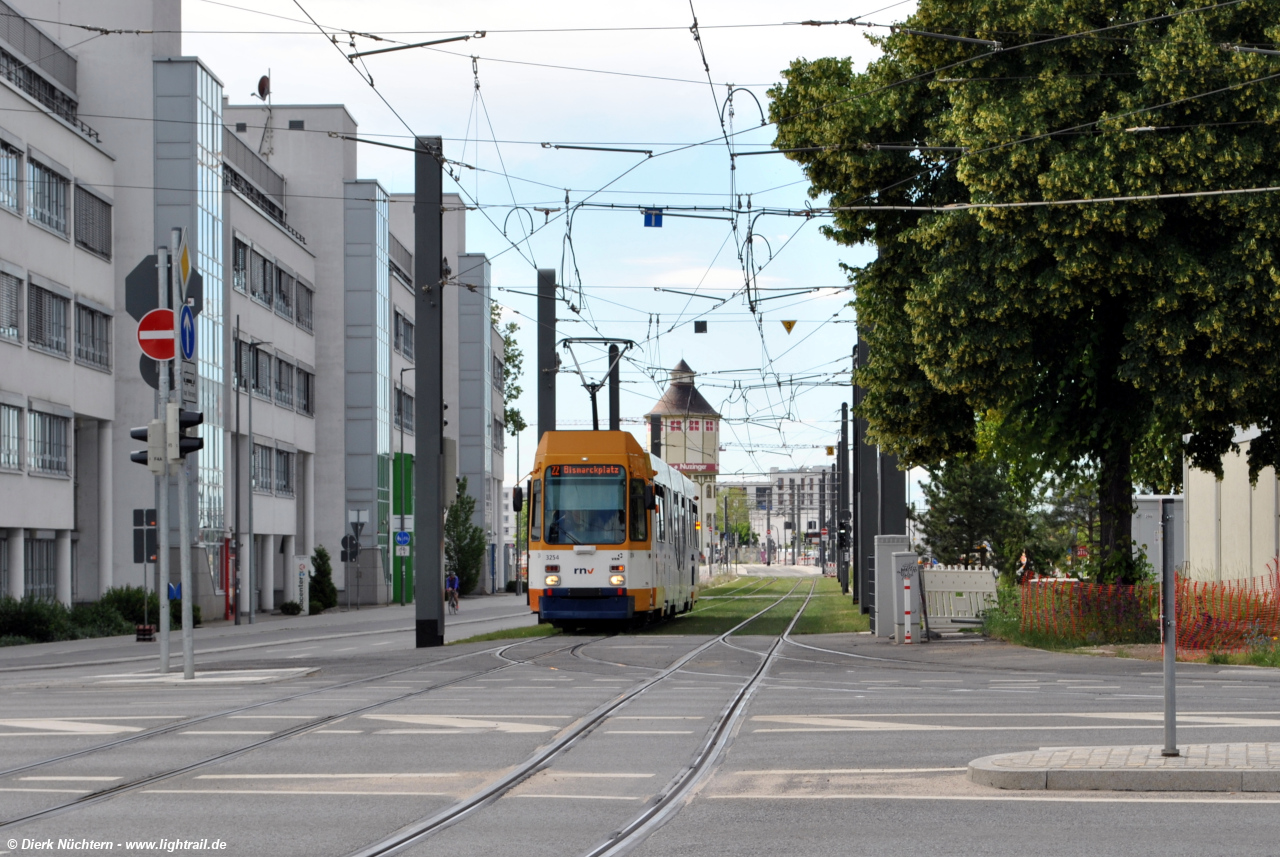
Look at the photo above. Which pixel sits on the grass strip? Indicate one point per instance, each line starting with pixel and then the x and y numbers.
pixel 545 630
pixel 831 612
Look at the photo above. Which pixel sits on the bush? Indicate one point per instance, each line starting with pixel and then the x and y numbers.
pixel 128 601
pixel 316 608
pixel 511 586
pixel 35 620
pixel 291 608
pixel 175 614
pixel 322 588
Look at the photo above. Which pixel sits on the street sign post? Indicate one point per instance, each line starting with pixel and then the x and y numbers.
pixel 155 334
pixel 402 538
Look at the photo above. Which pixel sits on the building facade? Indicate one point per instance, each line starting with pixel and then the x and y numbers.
pixel 305 328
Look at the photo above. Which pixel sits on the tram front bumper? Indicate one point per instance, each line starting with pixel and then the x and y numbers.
pixel 586 603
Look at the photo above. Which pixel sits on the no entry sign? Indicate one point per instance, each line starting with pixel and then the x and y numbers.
pixel 155 334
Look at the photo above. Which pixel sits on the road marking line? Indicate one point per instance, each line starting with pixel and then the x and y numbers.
pixel 652 717
pixel 72 779
pixel 582 797
pixel 50 791
pixel 849 771
pixel 67 726
pixel 1012 798
pixel 338 732
pixel 563 775
pixel 222 732
pixel 270 716
pixel 649 732
pixel 323 776
pixel 289 792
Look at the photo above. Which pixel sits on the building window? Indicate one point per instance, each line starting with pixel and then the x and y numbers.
pixel 261 278
pixel 241 374
pixel 404 336
pixel 10 301
pixel 47 443
pixel 47 320
pixel 297 125
pixel 497 372
pixel 10 177
pixel 695 425
pixel 306 298
pixel 40 572
pixel 284 383
pixel 284 473
pixel 263 468
pixel 404 411
pixel 239 265
pixel 242 127
pixel 499 435
pixel 261 372
pixel 10 451
pixel 710 425
pixel 675 425
pixel 284 294
pixel 93 337
pixel 305 386
pixel 46 197
pixel 93 223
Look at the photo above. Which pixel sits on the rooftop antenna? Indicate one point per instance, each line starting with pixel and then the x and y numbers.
pixel 265 147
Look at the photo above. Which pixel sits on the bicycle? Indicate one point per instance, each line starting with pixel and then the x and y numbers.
pixel 453 601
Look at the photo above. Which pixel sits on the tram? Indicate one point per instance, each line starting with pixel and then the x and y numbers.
pixel 612 538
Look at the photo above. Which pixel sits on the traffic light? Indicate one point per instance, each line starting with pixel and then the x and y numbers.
pixel 179 443
pixel 350 548
pixel 153 456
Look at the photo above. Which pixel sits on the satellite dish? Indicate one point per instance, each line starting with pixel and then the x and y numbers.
pixel 264 87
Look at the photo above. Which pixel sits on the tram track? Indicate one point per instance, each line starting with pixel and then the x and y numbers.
pixel 282 735
pixel 718 736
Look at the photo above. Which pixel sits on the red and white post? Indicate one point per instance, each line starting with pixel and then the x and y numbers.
pixel 906 608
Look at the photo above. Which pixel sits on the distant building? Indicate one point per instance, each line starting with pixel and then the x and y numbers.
pixel 1232 527
pixel 690 434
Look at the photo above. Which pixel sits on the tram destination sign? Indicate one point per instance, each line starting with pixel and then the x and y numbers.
pixel 586 470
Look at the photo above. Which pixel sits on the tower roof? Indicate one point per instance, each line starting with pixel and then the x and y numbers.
pixel 682 397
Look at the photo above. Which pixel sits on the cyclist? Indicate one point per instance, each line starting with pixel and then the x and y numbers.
pixel 451 590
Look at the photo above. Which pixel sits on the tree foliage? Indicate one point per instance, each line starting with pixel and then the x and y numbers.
pixel 1094 333
pixel 464 542
pixel 512 369
pixel 323 589
pixel 971 514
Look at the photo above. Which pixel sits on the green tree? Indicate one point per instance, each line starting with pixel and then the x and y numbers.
pixel 464 543
pixel 512 368
pixel 323 589
pixel 1095 334
pixel 969 504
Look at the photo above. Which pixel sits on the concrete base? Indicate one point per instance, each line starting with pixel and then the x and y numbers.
pixel 1253 767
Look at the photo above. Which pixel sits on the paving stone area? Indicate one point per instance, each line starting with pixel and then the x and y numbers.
pixel 1253 766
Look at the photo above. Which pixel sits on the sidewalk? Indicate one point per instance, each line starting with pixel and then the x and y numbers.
pixel 1252 767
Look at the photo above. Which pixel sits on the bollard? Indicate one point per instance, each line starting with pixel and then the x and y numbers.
pixel 906 608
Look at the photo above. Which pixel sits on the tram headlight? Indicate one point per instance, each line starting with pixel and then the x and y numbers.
pixel 617 579
pixel 553 580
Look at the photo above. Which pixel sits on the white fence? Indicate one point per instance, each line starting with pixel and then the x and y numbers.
pixel 955 595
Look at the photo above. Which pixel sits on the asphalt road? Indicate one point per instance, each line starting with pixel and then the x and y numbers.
pixel 324 748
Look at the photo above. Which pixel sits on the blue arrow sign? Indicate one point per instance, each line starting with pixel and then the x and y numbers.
pixel 402 537
pixel 187 332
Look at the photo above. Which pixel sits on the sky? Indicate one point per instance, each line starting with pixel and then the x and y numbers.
pixel 614 75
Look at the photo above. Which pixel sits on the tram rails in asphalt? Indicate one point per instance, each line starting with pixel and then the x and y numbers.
pixel 656 811
pixel 705 756
pixel 319 722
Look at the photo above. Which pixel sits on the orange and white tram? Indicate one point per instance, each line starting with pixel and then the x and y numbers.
pixel 611 531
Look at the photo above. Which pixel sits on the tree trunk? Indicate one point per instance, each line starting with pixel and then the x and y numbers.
pixel 1115 513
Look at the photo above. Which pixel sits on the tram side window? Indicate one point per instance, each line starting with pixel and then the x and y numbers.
pixel 660 518
pixel 535 511
pixel 639 514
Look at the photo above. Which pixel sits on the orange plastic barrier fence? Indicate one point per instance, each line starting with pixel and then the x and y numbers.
pixel 1227 616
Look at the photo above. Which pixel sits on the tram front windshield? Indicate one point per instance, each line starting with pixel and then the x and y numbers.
pixel 586 504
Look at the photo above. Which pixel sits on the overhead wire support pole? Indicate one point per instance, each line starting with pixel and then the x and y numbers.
pixel 428 483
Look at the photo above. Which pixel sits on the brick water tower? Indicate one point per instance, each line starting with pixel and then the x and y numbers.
pixel 690 435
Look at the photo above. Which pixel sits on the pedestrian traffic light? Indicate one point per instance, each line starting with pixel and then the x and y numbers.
pixel 179 443
pixel 153 456
pixel 350 548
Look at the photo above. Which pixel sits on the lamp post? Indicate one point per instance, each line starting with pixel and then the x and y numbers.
pixel 403 418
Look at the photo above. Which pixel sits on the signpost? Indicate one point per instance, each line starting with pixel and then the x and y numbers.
pixel 187 332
